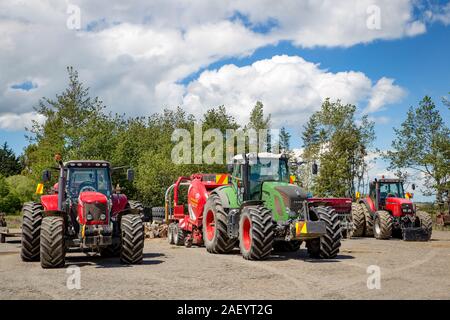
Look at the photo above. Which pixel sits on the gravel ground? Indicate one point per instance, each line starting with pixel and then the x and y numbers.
pixel 409 270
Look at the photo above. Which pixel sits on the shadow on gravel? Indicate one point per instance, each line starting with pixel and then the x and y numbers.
pixel 100 262
pixel 302 255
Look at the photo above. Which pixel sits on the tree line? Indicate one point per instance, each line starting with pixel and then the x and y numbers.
pixel 337 137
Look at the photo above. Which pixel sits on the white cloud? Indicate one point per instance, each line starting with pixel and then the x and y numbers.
pixel 136 58
pixel 384 92
pixel 290 87
pixel 13 121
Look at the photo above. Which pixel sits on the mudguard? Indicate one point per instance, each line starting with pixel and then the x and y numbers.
pixel 228 197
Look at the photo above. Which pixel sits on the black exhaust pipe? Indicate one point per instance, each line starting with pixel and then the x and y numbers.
pixel 61 183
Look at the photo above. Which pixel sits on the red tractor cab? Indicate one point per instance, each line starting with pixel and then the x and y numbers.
pixel 184 209
pixel 388 211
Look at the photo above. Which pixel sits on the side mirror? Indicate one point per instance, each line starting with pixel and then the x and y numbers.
pixel 315 168
pixel 413 186
pixel 130 175
pixel 46 175
pixel 230 168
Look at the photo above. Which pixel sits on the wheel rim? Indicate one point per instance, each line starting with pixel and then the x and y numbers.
pixel 246 237
pixel 210 225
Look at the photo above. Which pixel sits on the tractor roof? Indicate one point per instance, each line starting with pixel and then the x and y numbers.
pixel 264 155
pixel 390 180
pixel 87 163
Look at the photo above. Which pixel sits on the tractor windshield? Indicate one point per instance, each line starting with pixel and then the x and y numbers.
pixel 269 170
pixel 393 190
pixel 88 179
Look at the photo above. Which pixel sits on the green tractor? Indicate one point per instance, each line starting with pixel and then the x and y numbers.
pixel 261 210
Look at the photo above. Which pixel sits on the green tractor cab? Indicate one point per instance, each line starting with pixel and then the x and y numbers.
pixel 263 211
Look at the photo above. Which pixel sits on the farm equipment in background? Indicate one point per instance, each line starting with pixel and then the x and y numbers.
pixel 4 230
pixel 343 207
pixel 185 219
pixel 262 211
pixel 85 214
pixel 443 218
pixel 388 211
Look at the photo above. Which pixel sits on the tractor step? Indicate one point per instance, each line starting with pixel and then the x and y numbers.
pixel 415 234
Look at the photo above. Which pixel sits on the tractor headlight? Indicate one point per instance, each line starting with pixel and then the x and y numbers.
pixel 103 216
pixel 89 217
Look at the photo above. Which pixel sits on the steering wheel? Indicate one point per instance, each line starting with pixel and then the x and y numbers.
pixel 87 186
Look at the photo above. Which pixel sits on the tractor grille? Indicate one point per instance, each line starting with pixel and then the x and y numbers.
pixel 95 209
pixel 407 208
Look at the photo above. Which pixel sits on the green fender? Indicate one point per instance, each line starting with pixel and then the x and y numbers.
pixel 228 196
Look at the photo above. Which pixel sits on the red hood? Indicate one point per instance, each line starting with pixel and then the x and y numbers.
pixel 398 201
pixel 92 196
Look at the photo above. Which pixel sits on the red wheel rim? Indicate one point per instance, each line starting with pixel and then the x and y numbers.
pixel 210 225
pixel 246 237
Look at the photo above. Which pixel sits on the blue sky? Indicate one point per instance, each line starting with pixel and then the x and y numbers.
pixel 289 54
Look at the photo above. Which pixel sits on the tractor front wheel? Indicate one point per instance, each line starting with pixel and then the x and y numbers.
pixel 368 230
pixel 382 225
pixel 256 234
pixel 170 233
pixel 178 235
pixel 53 250
pixel 215 234
pixel 132 239
pixel 31 231
pixel 327 246
pixel 425 222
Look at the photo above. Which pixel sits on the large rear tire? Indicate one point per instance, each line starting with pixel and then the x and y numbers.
pixel 139 206
pixel 214 227
pixel 368 229
pixel 158 214
pixel 358 220
pixel 132 239
pixel 425 222
pixel 327 247
pixel 382 225
pixel 53 250
pixel 256 233
pixel 31 231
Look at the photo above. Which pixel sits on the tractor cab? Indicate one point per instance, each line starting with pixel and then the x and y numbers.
pixel 249 176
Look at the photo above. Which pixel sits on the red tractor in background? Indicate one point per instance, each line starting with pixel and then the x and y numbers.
pixel 388 211
pixel 84 213
pixel 185 216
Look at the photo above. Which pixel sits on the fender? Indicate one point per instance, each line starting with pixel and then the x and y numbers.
pixel 228 197
pixel 50 202
pixel 369 205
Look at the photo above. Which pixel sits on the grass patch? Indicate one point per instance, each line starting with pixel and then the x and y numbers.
pixel 13 221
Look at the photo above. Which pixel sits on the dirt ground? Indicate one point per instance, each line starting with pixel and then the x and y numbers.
pixel 408 270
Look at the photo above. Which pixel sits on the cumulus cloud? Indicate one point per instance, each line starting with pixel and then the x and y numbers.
pixel 384 92
pixel 13 121
pixel 290 87
pixel 134 55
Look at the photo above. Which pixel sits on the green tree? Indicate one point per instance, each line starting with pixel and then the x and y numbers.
pixel 258 121
pixel 9 163
pixel 285 138
pixel 422 143
pixel 340 144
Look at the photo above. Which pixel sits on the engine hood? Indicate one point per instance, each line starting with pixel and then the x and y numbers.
pixel 400 201
pixel 284 198
pixel 92 197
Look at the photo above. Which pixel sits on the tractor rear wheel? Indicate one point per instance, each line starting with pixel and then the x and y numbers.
pixel 215 234
pixel 53 250
pixel 137 205
pixel 256 233
pixel 425 221
pixel 382 226
pixel 327 246
pixel 287 246
pixel 178 235
pixel 358 220
pixel 31 231
pixel 368 229
pixel 132 239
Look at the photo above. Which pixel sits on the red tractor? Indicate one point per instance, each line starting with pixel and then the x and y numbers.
pixel 84 213
pixel 185 217
pixel 388 211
